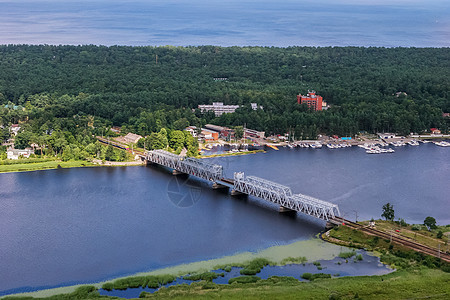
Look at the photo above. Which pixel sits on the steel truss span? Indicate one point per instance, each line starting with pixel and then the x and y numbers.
pixel 191 166
pixel 282 195
pixel 250 185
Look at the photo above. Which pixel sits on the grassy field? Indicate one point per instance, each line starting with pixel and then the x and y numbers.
pixel 415 283
pixel 43 166
pixel 422 236
pixel 423 282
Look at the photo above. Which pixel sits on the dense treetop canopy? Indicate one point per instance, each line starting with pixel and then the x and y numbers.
pixel 147 88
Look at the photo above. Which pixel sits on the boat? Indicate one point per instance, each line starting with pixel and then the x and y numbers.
pixel 413 143
pixel 373 151
pixel 442 144
pixel 389 150
pixel 316 145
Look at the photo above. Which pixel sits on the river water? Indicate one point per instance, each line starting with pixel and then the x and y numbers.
pixel 60 227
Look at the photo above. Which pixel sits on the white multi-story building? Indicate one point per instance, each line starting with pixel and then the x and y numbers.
pixel 218 108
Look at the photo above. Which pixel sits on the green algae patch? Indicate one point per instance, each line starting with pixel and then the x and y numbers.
pixel 311 250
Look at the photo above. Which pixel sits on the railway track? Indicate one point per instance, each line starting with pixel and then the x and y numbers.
pixel 118 145
pixel 396 239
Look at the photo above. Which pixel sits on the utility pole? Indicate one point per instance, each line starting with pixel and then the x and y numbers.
pixel 356 216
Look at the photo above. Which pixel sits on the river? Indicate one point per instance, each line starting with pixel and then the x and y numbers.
pixel 67 226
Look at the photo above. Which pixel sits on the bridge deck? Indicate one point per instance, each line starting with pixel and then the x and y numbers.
pixel 250 185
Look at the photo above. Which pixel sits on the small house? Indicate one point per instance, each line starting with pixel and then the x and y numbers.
pixel 435 131
pixel 14 129
pixel 132 138
pixel 17 153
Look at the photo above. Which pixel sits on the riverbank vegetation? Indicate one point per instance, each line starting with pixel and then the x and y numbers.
pixel 403 284
pixel 53 164
pixel 139 281
pixel 395 255
pixel 432 237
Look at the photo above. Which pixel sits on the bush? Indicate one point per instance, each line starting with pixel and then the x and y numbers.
pixel 294 260
pixel 208 276
pixel 244 279
pixel 282 279
pixel 255 266
pixel 346 255
pixel 84 292
pixel 139 281
pixel 321 275
pixel 359 257
pixel 227 268
pixel 307 276
pixel 108 286
pixel 26 161
pixel 311 277
pixel 439 234
pixel 416 227
pixel 316 263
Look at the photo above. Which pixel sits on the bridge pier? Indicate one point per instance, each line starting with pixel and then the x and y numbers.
pixel 330 225
pixel 285 210
pixel 176 172
pixel 217 186
pixel 236 193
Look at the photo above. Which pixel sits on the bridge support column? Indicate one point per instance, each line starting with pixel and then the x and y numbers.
pixel 216 186
pixel 330 225
pixel 285 210
pixel 176 172
pixel 236 193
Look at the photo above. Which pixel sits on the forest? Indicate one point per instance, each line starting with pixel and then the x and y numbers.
pixel 76 91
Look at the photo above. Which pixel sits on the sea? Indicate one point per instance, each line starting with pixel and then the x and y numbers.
pixel 379 23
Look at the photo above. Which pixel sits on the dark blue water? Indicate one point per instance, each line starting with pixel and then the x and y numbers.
pixel 84 225
pixel 337 267
pixel 387 23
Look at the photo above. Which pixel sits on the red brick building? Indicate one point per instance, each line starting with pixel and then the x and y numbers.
pixel 312 100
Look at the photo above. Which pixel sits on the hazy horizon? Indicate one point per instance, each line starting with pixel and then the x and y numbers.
pixel 382 23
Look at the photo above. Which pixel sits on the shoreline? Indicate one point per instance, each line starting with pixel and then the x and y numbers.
pixel 56 164
pixel 313 249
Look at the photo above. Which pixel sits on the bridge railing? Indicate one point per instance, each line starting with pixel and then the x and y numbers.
pixel 262 188
pixel 189 165
pixel 202 169
pixel 282 195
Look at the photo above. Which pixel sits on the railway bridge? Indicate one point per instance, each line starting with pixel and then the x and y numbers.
pixel 248 185
pixel 275 193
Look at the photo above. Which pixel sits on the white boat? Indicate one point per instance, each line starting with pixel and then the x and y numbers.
pixel 373 151
pixel 443 144
pixel 413 143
